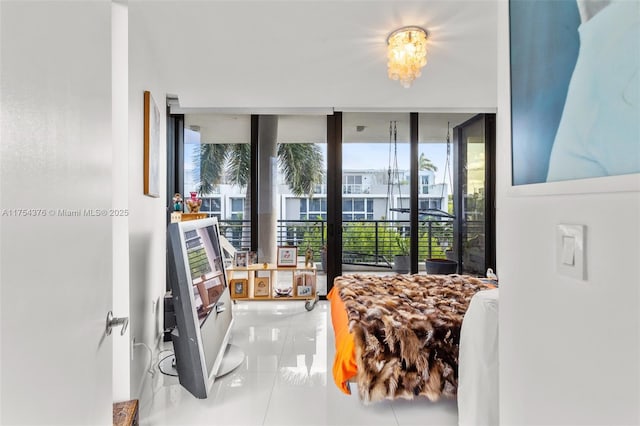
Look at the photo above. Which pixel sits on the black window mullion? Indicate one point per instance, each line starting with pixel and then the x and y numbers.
pixel 413 200
pixel 254 182
pixel 334 197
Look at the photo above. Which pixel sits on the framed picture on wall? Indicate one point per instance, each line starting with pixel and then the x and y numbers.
pixel 583 122
pixel 151 162
pixel 288 256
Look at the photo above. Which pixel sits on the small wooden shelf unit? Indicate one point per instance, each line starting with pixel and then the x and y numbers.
pixel 261 282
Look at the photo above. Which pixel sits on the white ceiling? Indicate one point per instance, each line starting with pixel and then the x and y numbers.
pixel 317 56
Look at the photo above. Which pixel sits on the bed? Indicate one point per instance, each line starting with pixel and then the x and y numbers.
pixel 397 336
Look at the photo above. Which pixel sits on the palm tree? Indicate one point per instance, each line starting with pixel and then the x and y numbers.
pixel 231 161
pixel 212 158
pixel 425 164
pixel 302 165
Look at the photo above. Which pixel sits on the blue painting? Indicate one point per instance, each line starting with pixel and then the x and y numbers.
pixel 575 89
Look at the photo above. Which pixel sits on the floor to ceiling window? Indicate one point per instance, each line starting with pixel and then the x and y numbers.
pixel 375 191
pixel 388 162
pixel 435 189
pixel 301 185
pixel 217 156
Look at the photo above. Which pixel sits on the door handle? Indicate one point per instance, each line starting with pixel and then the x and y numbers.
pixel 116 322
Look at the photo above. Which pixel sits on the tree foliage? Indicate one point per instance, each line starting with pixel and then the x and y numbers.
pixel 426 164
pixel 211 158
pixel 302 165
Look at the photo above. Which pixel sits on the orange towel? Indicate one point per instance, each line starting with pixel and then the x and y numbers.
pixel 344 364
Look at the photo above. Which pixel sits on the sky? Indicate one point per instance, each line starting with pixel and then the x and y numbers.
pixel 376 156
pixel 191 142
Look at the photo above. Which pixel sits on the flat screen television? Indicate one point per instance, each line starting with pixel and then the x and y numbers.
pixel 201 300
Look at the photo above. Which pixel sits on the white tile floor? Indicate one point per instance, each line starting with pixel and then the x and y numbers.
pixel 285 380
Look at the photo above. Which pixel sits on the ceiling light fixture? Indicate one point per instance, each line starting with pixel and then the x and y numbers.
pixel 407 54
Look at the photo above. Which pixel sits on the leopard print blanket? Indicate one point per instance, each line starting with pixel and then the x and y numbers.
pixel 407 331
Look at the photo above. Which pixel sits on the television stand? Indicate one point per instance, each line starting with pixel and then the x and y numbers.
pixel 232 359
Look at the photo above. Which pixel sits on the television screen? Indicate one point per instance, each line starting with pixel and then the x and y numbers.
pixel 201 302
pixel 206 269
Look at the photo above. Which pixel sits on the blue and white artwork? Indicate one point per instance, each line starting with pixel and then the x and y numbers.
pixel 575 88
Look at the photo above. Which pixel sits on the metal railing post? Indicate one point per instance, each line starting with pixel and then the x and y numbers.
pixel 377 242
pixel 429 236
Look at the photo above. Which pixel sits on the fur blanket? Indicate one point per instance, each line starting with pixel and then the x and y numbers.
pixel 406 330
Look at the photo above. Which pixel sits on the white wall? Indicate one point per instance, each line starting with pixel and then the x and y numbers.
pixel 120 201
pixel 56 271
pixel 147 219
pixel 569 350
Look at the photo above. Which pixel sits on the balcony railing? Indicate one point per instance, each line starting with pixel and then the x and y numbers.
pixel 366 243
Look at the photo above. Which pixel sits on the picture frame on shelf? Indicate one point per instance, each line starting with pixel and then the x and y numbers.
pixel 305 284
pixel 241 259
pixel 287 256
pixel 304 290
pixel 239 288
pixel 261 287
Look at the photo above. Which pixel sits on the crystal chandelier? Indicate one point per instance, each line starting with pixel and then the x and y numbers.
pixel 407 53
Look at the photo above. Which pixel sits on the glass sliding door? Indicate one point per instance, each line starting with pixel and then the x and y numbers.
pixel 375 192
pixel 436 185
pixel 474 173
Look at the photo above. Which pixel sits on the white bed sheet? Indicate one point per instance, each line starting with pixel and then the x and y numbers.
pixel 478 362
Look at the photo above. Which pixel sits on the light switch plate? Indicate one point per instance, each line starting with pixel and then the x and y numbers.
pixel 568 250
pixel 570 245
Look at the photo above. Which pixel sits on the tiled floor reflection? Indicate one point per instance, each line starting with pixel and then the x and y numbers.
pixel 285 379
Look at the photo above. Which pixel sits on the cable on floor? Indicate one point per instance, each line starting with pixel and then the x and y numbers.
pixel 150 369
